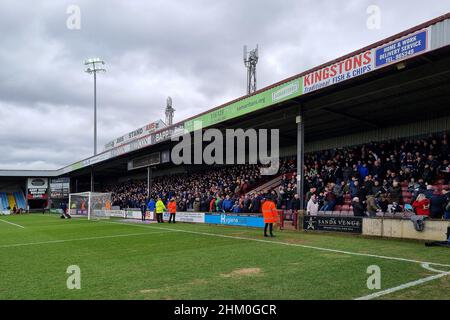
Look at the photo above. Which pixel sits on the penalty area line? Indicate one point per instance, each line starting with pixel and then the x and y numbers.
pixel 14 224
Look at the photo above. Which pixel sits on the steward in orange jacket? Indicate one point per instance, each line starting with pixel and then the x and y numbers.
pixel 270 214
pixel 172 207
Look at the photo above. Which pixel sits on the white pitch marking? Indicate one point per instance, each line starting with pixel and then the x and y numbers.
pixel 403 286
pixel 80 239
pixel 291 244
pixel 14 224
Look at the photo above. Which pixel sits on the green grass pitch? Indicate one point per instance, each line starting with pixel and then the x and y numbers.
pixel 194 261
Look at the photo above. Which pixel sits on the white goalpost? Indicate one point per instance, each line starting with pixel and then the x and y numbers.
pixel 93 205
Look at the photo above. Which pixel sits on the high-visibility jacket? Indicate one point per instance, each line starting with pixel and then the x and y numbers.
pixel 160 207
pixel 172 206
pixel 270 212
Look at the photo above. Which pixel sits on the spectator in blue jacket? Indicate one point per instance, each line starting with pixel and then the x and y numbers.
pixel 236 208
pixel 363 171
pixel 151 205
pixel 227 204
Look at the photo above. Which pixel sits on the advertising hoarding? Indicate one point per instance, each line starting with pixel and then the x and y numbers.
pixel 402 48
pixel 254 221
pixel 258 101
pixel 37 188
pixel 59 188
pixel 334 224
pixel 191 217
pixel 135 134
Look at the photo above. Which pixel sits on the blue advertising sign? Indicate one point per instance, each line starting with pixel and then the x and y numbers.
pixel 235 220
pixel 402 49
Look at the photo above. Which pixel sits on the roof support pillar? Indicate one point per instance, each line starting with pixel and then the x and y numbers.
pixel 300 156
pixel 149 181
pixel 92 178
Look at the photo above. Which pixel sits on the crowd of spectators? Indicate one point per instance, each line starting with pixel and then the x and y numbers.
pixel 371 174
pixel 193 190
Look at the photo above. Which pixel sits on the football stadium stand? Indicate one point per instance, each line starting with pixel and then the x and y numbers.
pixel 369 129
pixel 3 201
pixel 11 201
pixel 392 172
pixel 20 199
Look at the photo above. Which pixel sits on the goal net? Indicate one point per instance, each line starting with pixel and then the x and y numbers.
pixel 93 205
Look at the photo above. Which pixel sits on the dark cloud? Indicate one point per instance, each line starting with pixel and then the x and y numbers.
pixel 190 50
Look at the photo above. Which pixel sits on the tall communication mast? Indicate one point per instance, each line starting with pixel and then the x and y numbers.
pixel 250 61
pixel 169 112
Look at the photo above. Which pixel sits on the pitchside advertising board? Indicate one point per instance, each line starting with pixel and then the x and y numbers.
pixel 255 221
pixel 37 188
pixel 191 217
pixel 333 224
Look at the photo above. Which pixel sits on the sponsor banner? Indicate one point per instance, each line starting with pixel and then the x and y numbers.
pixel 117 213
pixel 340 71
pixel 136 214
pixel 37 188
pixel 335 224
pixel 59 188
pixel 168 134
pixel 132 146
pixel 191 217
pixel 401 49
pixel 133 214
pixel 79 212
pixel 261 100
pixel 255 221
pixel 135 134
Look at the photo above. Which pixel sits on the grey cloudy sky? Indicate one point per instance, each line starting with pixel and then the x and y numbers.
pixel 188 49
